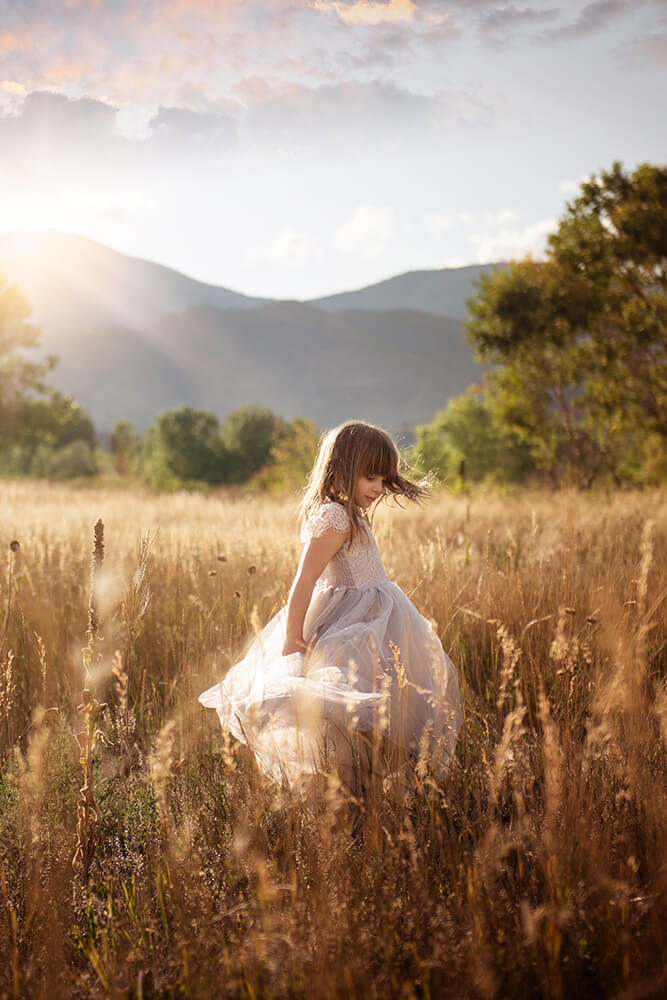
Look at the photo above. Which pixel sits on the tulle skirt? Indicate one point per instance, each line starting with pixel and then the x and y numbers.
pixel 375 670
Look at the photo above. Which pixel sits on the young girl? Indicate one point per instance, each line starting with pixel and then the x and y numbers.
pixel 348 674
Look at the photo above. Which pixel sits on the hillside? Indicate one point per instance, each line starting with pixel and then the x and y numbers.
pixel 394 368
pixel 135 338
pixel 68 278
pixel 443 292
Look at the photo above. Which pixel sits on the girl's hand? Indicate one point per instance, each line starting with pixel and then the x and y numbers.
pixel 294 645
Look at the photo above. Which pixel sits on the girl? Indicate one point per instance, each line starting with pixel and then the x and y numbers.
pixel 349 673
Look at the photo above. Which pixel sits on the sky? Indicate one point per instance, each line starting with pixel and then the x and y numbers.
pixel 295 149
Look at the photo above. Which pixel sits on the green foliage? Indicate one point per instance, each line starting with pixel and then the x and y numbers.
pixel 37 423
pixel 184 445
pixel 291 456
pixel 247 435
pixel 579 340
pixel 125 448
pixel 250 445
pixel 19 377
pixel 75 460
pixel 466 441
pixel 48 425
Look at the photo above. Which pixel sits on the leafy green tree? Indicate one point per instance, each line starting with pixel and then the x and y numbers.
pixel 184 445
pixel 73 460
pixel 70 422
pixel 125 448
pixel 579 340
pixel 466 440
pixel 247 435
pixel 291 456
pixel 20 377
pixel 35 419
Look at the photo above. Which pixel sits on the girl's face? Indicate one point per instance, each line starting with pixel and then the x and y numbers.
pixel 367 490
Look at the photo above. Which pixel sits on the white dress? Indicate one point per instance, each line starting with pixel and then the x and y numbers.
pixel 375 665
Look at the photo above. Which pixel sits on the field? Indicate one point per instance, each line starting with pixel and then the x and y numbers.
pixel 536 868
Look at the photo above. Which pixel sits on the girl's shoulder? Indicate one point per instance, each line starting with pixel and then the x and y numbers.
pixel 330 516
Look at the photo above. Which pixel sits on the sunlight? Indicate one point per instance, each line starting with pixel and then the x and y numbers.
pixel 32 210
pixel 370 12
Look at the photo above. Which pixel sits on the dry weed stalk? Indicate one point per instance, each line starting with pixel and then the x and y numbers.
pixel 92 711
pixel 161 763
pixel 41 649
pixel 14 547
pixel 33 789
pixel 133 610
pixel 7 685
pixel 7 691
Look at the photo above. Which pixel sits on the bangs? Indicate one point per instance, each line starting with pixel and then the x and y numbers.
pixel 380 459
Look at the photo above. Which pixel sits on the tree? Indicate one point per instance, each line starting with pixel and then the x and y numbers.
pixel 247 435
pixel 579 340
pixel 184 445
pixel 291 456
pixel 125 448
pixel 19 376
pixel 467 436
pixel 50 425
pixel 35 419
pixel 73 460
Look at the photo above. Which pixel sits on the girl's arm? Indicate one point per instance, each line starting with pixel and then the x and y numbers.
pixel 315 556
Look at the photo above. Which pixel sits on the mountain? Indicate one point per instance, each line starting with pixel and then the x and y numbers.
pixel 135 338
pixel 394 368
pixel 68 278
pixel 442 293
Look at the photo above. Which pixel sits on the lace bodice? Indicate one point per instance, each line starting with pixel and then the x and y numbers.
pixel 356 566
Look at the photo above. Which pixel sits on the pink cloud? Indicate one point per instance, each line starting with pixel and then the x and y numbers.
pixel 11 42
pixel 370 11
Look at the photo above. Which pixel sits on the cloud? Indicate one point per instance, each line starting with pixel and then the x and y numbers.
pixel 261 115
pixel 645 51
pixel 369 11
pixel 49 126
pixel 13 88
pixel 438 223
pixel 593 18
pixel 511 243
pixel 153 54
pixel 10 42
pixel 505 24
pixel 376 115
pixel 500 24
pixel 572 188
pixel 150 54
pixel 366 232
pixel 290 248
pixel 190 131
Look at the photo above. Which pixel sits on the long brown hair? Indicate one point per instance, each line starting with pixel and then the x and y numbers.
pixel 347 452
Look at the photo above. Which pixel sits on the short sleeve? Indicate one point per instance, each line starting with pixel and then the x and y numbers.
pixel 329 517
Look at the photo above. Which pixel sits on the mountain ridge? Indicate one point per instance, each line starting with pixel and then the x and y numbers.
pixel 135 338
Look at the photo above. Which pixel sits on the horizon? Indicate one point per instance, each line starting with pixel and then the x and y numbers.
pixel 293 149
pixel 36 233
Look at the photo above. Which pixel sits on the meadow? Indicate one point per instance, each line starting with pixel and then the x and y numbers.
pixel 537 867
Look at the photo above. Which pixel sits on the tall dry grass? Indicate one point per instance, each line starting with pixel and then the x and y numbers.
pixel 537 868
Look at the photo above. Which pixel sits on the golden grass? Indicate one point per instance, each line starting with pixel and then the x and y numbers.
pixel 537 868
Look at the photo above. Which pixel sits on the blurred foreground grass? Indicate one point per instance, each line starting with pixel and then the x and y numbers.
pixel 537 868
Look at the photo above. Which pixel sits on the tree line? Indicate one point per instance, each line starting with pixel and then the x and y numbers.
pixel 185 445
pixel 573 384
